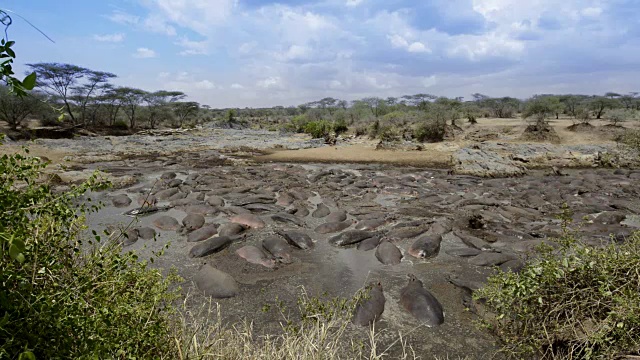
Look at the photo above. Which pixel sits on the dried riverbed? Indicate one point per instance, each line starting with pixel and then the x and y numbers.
pixel 483 223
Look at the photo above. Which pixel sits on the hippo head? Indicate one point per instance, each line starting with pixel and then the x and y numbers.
pixel 413 280
pixel 284 258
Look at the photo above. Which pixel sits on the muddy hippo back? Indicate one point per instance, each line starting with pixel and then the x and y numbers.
pixel 369 310
pixel 420 303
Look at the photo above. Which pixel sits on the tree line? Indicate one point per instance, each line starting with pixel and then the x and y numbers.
pixel 88 98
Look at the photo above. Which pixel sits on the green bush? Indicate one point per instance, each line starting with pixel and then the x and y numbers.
pixel 579 301
pixel 318 129
pixel 62 297
pixel 631 138
pixel 431 131
pixel 340 127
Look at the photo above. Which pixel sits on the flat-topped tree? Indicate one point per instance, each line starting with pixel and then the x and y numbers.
pixel 185 110
pixel 59 80
pixel 157 104
pixel 96 84
pixel 131 100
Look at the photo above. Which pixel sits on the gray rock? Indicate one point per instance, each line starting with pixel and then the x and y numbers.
pixel 167 193
pixel 485 163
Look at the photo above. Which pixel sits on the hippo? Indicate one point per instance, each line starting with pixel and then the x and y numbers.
pixel 388 254
pixel 130 237
pixel 203 233
pixel 202 209
pixel 350 237
pixel 215 283
pixel 167 193
pixel 208 247
pixel 147 200
pixel 169 175
pixel 300 210
pixel 256 256
pixel 121 201
pixel 369 309
pixel 297 239
pixel 337 216
pixel 184 202
pixel 425 247
pixel 321 211
pixel 230 229
pixel 420 303
pixel 146 233
pixel 193 222
pixel 215 201
pixel 407 232
pixel 369 225
pixel 370 243
pixel 248 220
pixel 463 252
pixel 287 218
pixel 166 223
pixel 285 199
pixel 278 248
pixel 332 227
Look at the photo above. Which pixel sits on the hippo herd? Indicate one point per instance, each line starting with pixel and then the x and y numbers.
pixel 272 213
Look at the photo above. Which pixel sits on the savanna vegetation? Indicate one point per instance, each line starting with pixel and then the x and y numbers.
pixel 66 295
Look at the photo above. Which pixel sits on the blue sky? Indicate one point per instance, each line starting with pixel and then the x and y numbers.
pixel 237 53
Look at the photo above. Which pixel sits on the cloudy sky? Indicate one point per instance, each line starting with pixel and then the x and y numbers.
pixel 237 53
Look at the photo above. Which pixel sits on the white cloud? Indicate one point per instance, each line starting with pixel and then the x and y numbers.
pixel 273 82
pixel 247 47
pixel 158 24
pixel 193 47
pixel 200 16
pixel 591 11
pixel 109 37
pixel 124 18
pixel 237 86
pixel 354 3
pixel 144 53
pixel 418 47
pixel 204 85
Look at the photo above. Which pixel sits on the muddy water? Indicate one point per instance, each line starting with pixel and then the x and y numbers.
pixel 508 215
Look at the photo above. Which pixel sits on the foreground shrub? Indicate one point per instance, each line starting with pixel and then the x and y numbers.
pixel 65 298
pixel 318 129
pixel 578 302
pixel 631 138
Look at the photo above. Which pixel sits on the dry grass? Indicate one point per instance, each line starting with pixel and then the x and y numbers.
pixel 200 334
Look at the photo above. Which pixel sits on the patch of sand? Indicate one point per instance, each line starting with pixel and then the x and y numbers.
pixel 55 156
pixel 433 155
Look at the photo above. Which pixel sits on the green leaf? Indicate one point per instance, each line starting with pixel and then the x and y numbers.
pixel 27 355
pixel 10 52
pixel 30 81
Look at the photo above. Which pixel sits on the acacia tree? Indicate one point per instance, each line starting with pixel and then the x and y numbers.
pixel 88 93
pixel 185 110
pixel 540 108
pixel 157 104
pixel 59 80
pixel 131 100
pixel 598 104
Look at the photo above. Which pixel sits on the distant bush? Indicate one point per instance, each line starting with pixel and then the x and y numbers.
pixel 431 130
pixel 389 133
pixel 617 116
pixel 318 129
pixel 576 302
pixel 340 127
pixel 120 124
pixel 631 138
